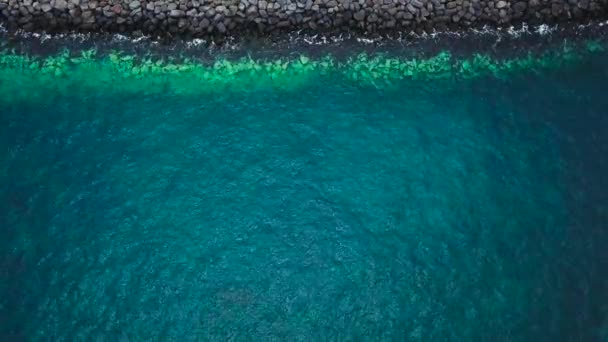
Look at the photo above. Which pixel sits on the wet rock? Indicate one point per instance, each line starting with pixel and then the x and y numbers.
pixel 583 4
pixel 556 9
pixel 221 27
pixel 359 15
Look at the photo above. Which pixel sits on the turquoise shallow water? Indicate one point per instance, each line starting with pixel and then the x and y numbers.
pixel 431 211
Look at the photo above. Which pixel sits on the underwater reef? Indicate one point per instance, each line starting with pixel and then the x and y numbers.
pixel 32 76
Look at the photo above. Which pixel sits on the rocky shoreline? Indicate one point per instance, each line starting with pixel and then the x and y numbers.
pixel 204 18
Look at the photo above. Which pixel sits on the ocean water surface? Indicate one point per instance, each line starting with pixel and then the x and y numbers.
pixel 425 208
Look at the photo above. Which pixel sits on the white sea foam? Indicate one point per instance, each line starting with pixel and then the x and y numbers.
pixel 523 30
pixel 368 40
pixel 196 42
pixel 406 38
pixel 544 29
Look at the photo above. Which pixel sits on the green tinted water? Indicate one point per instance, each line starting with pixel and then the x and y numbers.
pixel 370 198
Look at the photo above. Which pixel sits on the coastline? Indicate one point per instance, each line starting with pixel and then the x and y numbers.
pixel 238 18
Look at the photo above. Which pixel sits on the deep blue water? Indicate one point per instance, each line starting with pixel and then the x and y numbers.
pixel 437 211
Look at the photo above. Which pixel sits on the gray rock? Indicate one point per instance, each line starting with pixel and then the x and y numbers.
pixel 417 3
pixel 201 17
pixel 60 5
pixel 520 6
pixel 221 27
pixel 501 4
pixel 359 15
pixel 89 20
pixel 583 4
pixel 176 13
pixel 556 9
pixel 252 10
